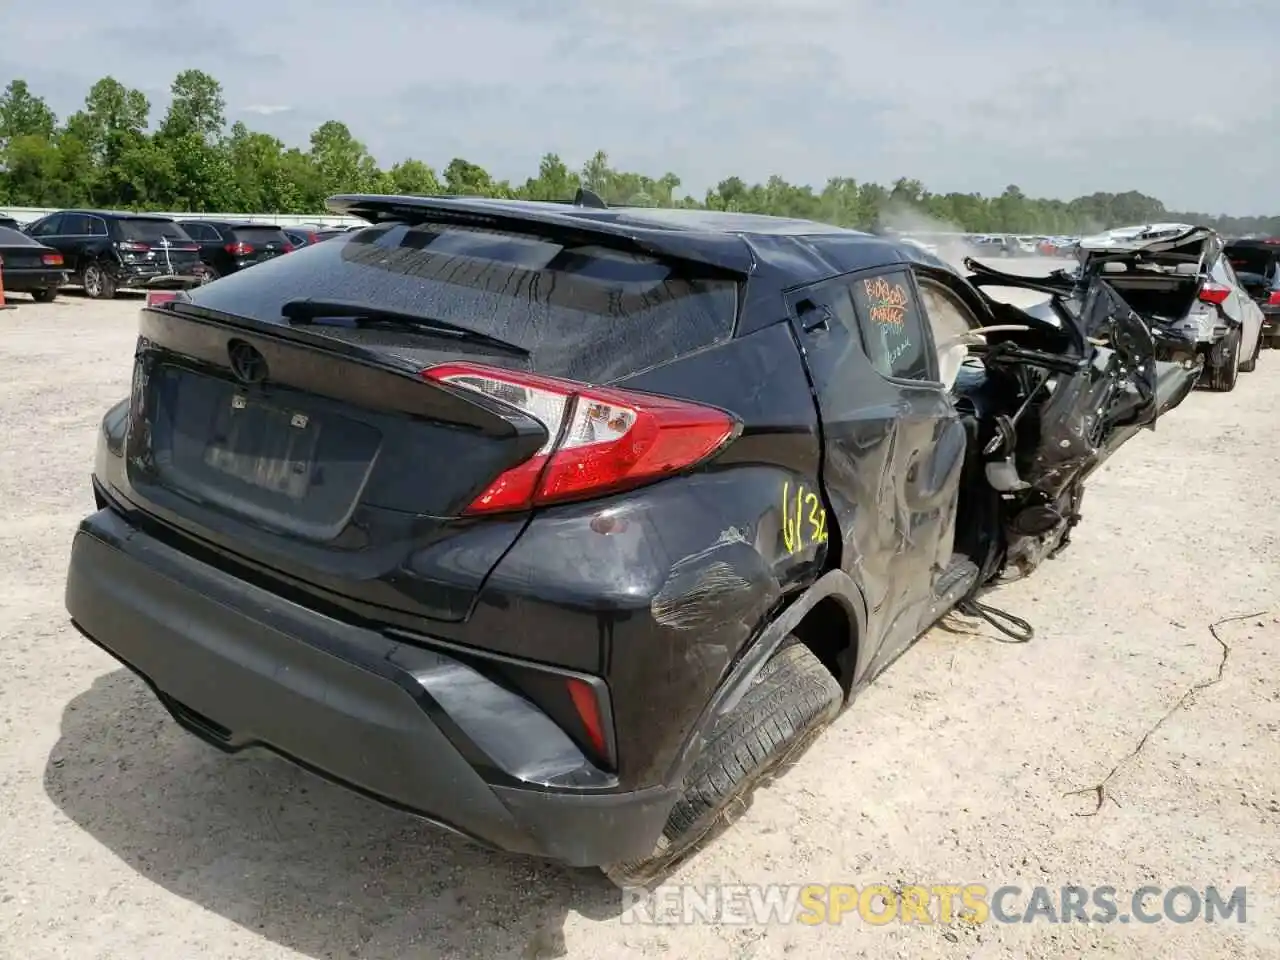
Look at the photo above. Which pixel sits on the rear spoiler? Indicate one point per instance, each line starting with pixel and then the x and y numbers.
pixel 573 222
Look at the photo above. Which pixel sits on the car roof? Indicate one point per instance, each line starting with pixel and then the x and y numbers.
pixel 795 250
pixel 229 223
pixel 121 214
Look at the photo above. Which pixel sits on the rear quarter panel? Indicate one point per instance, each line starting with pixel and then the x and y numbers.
pixel 662 589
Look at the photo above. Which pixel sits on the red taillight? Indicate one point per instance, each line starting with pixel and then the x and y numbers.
pixel 587 704
pixel 132 246
pixel 51 259
pixel 1274 299
pixel 239 248
pixel 600 440
pixel 1214 293
pixel 157 297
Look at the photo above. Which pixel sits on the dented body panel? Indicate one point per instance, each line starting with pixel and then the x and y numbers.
pixel 858 492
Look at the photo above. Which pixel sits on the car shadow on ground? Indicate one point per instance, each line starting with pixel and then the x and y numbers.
pixel 291 857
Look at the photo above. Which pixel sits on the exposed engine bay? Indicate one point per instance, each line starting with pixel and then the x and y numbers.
pixel 1047 395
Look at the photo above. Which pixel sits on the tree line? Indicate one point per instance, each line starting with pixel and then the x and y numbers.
pixel 108 154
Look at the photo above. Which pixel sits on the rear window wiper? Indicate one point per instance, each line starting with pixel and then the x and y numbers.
pixel 371 315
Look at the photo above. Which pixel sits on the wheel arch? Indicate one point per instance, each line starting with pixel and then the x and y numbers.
pixel 829 617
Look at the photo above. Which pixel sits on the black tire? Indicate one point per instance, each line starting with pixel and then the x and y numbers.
pixel 98 282
pixel 208 274
pixel 792 699
pixel 47 295
pixel 1223 378
pixel 1251 364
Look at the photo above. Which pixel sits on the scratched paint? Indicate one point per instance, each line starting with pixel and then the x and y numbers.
pixel 714 585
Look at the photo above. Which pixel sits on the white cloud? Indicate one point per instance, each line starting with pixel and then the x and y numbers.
pixel 265 110
pixel 1060 99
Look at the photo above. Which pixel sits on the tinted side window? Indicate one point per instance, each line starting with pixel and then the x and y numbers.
pixel 894 332
pixel 97 227
pixel 74 225
pixel 48 227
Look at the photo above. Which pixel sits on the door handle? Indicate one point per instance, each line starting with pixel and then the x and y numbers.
pixel 813 316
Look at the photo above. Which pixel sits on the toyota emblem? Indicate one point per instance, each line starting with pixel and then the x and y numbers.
pixel 247 363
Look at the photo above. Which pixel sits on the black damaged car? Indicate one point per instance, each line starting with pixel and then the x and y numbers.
pixel 109 251
pixel 560 525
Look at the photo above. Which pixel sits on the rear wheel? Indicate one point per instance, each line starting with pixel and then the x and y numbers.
pixel 1223 377
pixel 98 284
pixel 208 274
pixel 790 702
pixel 46 295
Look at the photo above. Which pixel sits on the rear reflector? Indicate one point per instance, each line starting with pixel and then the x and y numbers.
pixel 587 706
pixel 1214 293
pixel 600 440
pixel 157 297
pixel 1274 299
pixel 51 259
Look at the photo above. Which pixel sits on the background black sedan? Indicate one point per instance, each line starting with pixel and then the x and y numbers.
pixel 29 266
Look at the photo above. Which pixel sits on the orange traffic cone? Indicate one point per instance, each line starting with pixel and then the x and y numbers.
pixel 3 305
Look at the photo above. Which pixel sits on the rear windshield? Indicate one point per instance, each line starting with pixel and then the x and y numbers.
pixel 585 312
pixel 1253 259
pixel 13 238
pixel 259 234
pixel 149 230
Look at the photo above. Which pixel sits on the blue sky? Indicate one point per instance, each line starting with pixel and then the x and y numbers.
pixel 1173 98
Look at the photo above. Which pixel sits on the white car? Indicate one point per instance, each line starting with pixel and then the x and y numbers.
pixel 1178 277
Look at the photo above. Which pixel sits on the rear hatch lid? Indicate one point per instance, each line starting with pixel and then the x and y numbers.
pixel 1157 268
pixel 254 243
pixel 267 421
pixel 156 245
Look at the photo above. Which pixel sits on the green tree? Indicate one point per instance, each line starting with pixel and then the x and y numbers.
pixel 105 154
pixel 24 115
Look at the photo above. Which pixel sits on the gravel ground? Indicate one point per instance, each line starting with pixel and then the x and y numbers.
pixel 124 837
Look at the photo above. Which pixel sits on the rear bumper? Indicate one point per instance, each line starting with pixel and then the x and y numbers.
pixel 133 277
pixel 26 280
pixel 240 667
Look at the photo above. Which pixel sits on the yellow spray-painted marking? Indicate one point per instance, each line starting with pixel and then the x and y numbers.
pixel 804 519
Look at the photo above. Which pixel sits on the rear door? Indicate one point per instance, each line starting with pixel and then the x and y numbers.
pixel 893 446
pixel 207 239
pixel 257 244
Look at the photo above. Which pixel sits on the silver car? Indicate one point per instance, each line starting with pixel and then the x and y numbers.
pixel 1177 276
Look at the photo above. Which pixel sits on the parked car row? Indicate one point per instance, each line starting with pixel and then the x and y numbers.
pixel 105 252
pixel 562 526
pixel 1010 245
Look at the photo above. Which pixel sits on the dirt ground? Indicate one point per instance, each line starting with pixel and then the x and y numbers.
pixel 122 837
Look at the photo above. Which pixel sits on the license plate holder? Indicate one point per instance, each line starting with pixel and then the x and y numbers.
pixel 265 446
